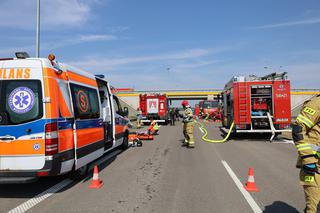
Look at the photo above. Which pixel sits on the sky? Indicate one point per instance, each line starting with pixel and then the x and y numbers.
pixel 171 44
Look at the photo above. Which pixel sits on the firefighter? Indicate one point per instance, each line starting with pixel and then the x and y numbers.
pixel 200 113
pixel 172 115
pixel 188 124
pixel 207 114
pixel 153 128
pixel 306 135
pixel 139 117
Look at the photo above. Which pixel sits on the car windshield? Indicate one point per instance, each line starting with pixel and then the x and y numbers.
pixel 20 101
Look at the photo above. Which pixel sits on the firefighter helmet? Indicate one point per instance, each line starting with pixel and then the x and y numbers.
pixel 184 103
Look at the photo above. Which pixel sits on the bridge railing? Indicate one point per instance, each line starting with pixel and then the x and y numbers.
pixel 202 90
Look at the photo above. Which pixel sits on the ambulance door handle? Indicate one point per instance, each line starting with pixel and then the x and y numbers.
pixel 28 131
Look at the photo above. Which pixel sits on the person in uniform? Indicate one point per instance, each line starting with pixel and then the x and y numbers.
pixel 188 124
pixel 172 114
pixel 139 117
pixel 306 135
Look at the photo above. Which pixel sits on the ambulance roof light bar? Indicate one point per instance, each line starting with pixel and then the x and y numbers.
pixel 22 55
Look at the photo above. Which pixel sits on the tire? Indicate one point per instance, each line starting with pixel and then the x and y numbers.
pixel 125 143
pixel 79 174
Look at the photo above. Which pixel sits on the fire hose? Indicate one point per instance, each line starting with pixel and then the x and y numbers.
pixel 204 137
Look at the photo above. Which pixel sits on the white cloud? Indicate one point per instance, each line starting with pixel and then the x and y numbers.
pixel 57 13
pixel 118 29
pixel 289 24
pixel 107 63
pixel 58 43
pixel 91 38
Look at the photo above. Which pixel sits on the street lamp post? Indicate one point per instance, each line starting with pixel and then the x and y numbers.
pixel 38 30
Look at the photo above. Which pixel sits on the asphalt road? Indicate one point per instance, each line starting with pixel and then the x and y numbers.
pixel 161 176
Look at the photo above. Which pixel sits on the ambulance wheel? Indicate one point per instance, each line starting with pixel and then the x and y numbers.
pixel 125 143
pixel 79 174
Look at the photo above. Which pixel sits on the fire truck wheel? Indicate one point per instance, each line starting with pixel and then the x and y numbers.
pixel 125 143
pixel 79 174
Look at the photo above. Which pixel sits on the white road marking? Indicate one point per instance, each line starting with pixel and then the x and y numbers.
pixel 286 141
pixel 201 130
pixel 254 206
pixel 40 197
pixel 49 192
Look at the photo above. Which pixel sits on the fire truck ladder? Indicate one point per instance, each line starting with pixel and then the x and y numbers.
pixel 243 103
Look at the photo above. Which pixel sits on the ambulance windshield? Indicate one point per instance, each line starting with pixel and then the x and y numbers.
pixel 20 101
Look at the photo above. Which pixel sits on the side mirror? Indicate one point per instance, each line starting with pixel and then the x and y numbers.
pixel 125 111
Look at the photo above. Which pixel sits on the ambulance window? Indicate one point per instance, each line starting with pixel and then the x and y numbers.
pixel 23 101
pixel 116 105
pixel 85 102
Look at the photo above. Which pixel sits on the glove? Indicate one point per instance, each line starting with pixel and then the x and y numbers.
pixel 310 169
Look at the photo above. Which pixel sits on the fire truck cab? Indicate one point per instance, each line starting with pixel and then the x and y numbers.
pixel 257 104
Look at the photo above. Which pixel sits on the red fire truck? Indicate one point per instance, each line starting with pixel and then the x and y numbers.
pixel 154 107
pixel 258 104
pixel 213 106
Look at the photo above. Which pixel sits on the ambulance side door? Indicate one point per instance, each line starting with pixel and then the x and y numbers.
pixel 88 125
pixel 120 122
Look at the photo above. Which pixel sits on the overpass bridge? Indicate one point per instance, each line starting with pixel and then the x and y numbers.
pixel 131 98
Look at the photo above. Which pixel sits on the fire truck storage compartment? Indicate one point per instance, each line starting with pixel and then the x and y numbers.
pixel 261 104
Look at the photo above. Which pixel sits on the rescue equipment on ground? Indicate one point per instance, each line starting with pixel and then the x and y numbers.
pixel 136 138
pixel 257 104
pixel 250 186
pixel 96 183
pixel 204 137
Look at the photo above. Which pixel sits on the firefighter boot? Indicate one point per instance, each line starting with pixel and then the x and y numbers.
pixel 191 144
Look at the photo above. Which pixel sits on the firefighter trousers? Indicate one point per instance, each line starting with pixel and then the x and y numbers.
pixel 188 132
pixel 311 188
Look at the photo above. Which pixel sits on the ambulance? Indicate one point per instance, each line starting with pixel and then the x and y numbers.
pixel 54 119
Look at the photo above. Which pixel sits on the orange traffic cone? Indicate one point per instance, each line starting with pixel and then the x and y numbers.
pixel 96 182
pixel 250 185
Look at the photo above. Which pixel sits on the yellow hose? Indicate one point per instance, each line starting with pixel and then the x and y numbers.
pixel 204 137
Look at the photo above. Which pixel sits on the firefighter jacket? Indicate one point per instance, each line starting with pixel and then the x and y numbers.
pixel 306 132
pixel 187 115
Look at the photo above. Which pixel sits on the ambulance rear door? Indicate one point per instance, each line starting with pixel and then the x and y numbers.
pixel 22 123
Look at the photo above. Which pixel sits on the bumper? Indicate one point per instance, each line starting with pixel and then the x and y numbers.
pixel 51 168
pixel 17 180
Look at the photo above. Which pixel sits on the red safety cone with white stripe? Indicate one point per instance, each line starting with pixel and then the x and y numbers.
pixel 96 182
pixel 250 185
